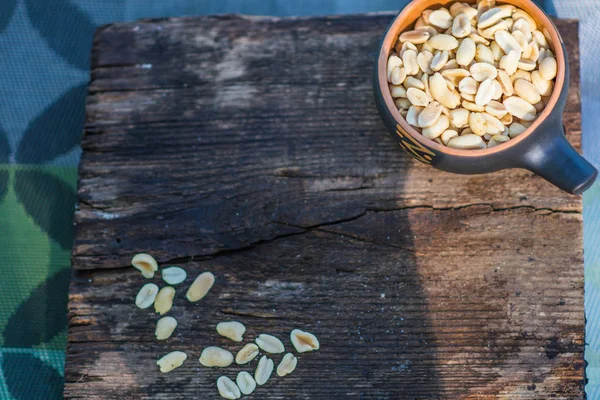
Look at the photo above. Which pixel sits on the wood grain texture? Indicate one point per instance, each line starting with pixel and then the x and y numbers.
pixel 251 147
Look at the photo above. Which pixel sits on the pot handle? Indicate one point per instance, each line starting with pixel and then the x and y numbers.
pixel 554 159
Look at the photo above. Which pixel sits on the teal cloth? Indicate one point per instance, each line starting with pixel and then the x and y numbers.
pixel 45 69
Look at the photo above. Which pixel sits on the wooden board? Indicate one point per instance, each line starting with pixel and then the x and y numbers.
pixel 251 147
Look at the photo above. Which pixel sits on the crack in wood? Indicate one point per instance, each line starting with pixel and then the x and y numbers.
pixel 252 314
pixel 319 227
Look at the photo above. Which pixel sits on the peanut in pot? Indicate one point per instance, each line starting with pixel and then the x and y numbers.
pixel 472 76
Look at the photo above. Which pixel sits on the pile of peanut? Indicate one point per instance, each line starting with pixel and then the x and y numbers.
pixel 213 356
pixel 472 77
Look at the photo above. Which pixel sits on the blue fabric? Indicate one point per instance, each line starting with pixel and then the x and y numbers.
pixel 588 13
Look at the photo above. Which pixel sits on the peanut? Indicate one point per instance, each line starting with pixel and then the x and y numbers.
pixel 263 371
pixel 171 361
pixel 200 287
pixel 215 357
pixel 164 300
pixel 245 382
pixel 465 74
pixel 270 344
pixel 228 389
pixel 304 341
pixel 146 264
pixel 287 365
pixel 232 330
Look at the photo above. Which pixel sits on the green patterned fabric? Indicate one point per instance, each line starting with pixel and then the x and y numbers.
pixel 45 52
pixel 45 69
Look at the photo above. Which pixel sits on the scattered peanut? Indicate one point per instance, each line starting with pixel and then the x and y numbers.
pixel 232 330
pixel 245 382
pixel 270 344
pixel 228 389
pixel 215 357
pixel 246 354
pixel 472 76
pixel 200 286
pixel 304 341
pixel 146 264
pixel 171 361
pixel 164 300
pixel 146 296
pixel 165 327
pixel 287 365
pixel 173 275
pixel 263 370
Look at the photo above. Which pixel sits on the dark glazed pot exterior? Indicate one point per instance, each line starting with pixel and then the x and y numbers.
pixel 542 149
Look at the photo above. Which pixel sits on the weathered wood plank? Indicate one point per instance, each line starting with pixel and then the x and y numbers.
pixel 251 147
